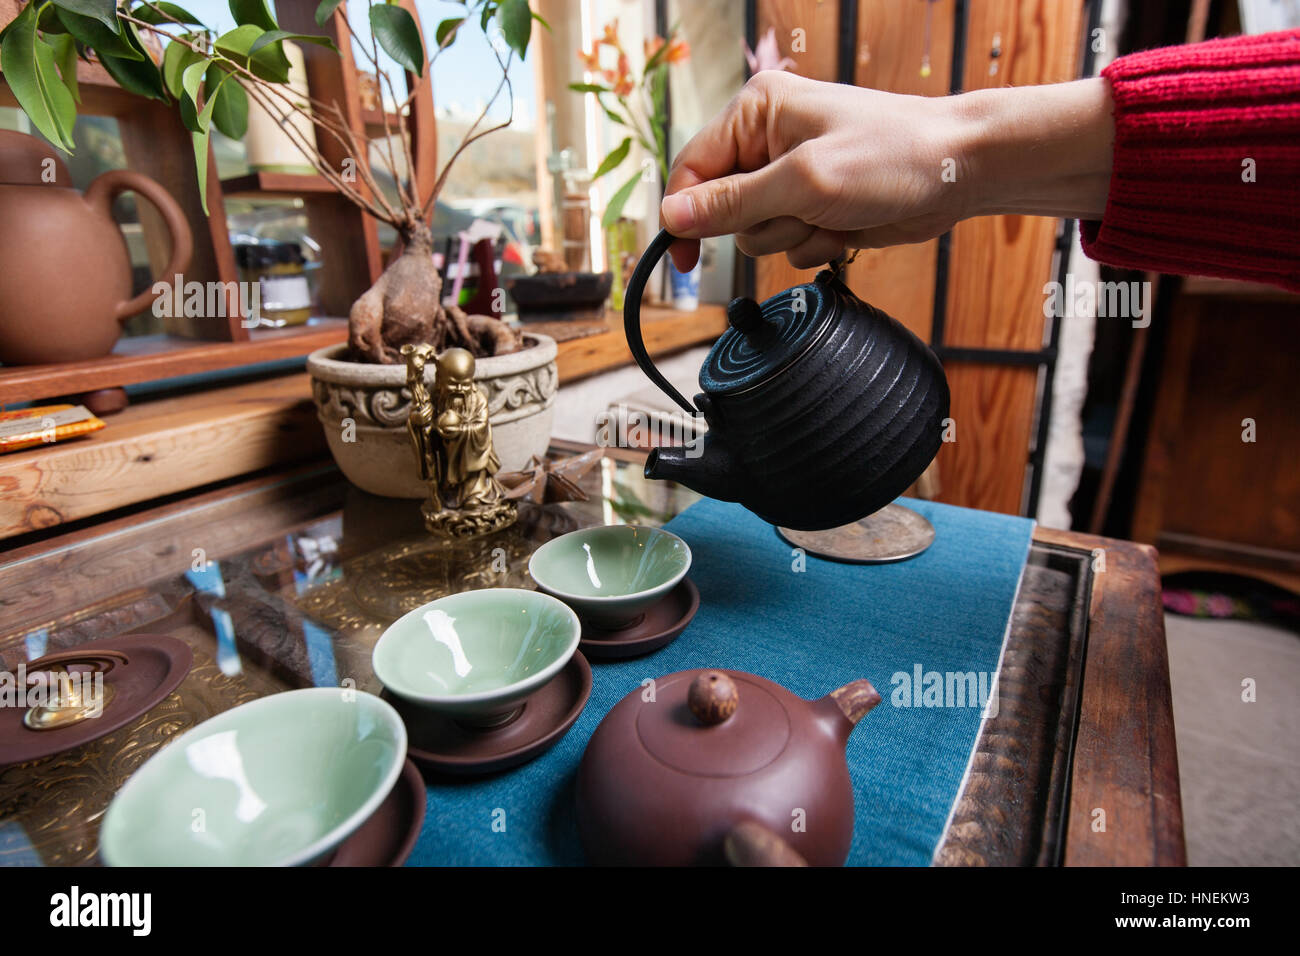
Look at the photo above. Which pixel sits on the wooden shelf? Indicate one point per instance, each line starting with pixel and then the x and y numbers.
pixel 152 357
pixel 159 448
pixel 1235 288
pixel 167 445
pixel 275 184
pixel 664 330
pixel 374 122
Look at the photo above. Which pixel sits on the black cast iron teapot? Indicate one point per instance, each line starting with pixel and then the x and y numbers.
pixel 821 409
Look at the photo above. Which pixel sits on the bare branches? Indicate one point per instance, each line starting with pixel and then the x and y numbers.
pixel 473 134
pixel 336 127
pixel 283 103
pixel 381 77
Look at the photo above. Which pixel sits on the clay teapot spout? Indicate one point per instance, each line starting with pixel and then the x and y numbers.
pixel 849 704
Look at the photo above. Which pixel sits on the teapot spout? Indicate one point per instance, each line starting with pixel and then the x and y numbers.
pixel 856 699
pixel 706 465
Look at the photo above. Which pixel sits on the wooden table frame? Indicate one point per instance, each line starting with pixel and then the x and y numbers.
pixel 1125 759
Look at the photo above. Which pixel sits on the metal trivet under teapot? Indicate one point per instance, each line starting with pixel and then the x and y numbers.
pixel 821 408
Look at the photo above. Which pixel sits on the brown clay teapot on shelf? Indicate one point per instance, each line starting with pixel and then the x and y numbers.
pixel 65 274
pixel 721 766
pixel 821 409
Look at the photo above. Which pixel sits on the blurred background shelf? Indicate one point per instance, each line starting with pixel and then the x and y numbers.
pixel 275 184
pixel 158 448
pixel 163 446
pixel 665 330
pixel 149 358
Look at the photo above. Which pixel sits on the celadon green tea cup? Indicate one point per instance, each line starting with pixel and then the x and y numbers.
pixel 611 574
pixel 476 655
pixel 279 781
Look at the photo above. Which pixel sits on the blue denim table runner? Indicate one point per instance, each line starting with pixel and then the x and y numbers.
pixel 811 625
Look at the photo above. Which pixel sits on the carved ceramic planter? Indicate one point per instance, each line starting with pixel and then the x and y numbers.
pixel 520 388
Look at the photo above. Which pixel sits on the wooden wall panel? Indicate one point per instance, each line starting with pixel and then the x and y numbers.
pixel 997 268
pixel 891 45
pixel 993 412
pixel 1202 486
pixel 818 60
pixel 1000 263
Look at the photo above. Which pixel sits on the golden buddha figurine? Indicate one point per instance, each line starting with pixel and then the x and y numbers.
pixel 452 439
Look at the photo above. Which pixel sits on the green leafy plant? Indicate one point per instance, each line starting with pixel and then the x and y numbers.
pixel 640 103
pixel 211 78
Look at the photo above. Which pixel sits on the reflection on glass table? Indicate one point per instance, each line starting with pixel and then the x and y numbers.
pixel 281 583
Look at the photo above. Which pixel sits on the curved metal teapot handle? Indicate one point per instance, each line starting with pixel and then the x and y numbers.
pixel 632 317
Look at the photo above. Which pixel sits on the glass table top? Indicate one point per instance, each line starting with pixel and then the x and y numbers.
pixel 273 585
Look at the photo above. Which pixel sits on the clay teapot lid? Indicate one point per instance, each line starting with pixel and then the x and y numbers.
pixel 24 161
pixel 766 339
pixel 716 723
pixel 727 726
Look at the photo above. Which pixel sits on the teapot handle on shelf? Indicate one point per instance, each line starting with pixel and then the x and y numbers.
pixel 632 317
pixel 101 193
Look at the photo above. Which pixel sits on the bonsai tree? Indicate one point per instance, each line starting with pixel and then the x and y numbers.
pixel 212 78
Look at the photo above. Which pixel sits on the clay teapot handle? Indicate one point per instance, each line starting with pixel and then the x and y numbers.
pixel 632 317
pixel 752 844
pixel 109 186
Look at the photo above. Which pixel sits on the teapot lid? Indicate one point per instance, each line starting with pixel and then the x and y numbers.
pixel 28 161
pixel 766 339
pixel 714 723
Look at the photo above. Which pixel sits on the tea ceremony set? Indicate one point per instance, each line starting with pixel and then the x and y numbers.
pixel 606 659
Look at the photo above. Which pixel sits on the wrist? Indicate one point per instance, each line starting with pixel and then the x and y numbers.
pixel 1037 150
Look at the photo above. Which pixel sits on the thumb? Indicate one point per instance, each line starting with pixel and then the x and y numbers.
pixel 729 204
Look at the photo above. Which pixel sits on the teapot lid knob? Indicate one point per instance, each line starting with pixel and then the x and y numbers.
pixel 746 316
pixel 712 697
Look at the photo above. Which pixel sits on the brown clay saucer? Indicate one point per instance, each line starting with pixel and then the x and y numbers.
pixel 660 625
pixel 389 836
pixel 155 665
pixel 439 744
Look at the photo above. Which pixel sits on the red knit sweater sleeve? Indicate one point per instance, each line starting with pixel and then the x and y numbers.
pixel 1206 172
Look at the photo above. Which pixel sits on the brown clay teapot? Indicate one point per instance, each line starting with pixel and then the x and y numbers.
pixel 721 766
pixel 65 274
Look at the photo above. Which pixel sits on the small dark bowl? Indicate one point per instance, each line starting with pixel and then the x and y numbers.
pixel 556 296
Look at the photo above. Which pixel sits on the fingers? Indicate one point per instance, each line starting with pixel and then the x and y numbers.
pixel 775 235
pixel 732 204
pixel 733 142
pixel 685 253
pixel 819 248
pixel 916 229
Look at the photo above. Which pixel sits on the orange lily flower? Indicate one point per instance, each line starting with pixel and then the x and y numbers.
pixel 679 51
pixel 591 61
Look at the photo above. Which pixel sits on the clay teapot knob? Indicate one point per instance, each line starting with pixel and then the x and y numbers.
pixel 712 697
